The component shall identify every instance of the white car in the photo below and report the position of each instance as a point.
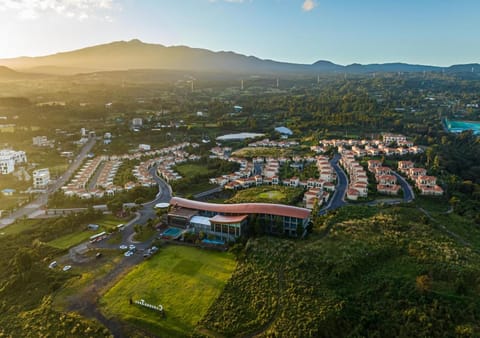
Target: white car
(132, 247)
(123, 247)
(128, 253)
(67, 267)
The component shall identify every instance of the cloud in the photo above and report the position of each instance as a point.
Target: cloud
(79, 9)
(308, 5)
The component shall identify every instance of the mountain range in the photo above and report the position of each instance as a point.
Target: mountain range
(135, 54)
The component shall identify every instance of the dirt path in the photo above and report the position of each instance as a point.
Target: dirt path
(452, 234)
(86, 302)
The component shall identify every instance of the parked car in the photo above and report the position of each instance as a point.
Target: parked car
(67, 267)
(123, 247)
(53, 265)
(128, 253)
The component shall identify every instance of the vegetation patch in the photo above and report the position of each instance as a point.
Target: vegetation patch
(268, 194)
(186, 292)
(250, 152)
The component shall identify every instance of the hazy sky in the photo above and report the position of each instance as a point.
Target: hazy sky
(439, 32)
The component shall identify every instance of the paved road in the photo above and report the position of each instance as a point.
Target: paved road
(42, 199)
(408, 194)
(147, 212)
(338, 199)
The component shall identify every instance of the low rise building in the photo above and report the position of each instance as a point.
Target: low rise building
(41, 178)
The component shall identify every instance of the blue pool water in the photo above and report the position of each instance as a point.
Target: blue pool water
(212, 241)
(172, 232)
(459, 126)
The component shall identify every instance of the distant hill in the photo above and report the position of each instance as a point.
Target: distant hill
(6, 72)
(135, 54)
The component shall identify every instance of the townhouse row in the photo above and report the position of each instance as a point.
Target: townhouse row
(358, 179)
(427, 185)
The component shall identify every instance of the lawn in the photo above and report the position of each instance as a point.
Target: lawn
(184, 280)
(268, 194)
(106, 222)
(19, 226)
(273, 195)
(191, 169)
(67, 241)
(260, 151)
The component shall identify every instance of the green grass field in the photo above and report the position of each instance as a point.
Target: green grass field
(260, 151)
(268, 194)
(65, 242)
(184, 280)
(189, 169)
(273, 195)
(19, 226)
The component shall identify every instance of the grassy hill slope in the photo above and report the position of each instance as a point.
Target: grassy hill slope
(377, 273)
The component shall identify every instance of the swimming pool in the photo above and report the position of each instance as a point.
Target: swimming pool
(459, 126)
(213, 241)
(172, 232)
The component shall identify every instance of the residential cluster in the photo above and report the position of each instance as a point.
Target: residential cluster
(358, 180)
(82, 185)
(426, 184)
(176, 156)
(390, 145)
(386, 181)
(265, 171)
(273, 144)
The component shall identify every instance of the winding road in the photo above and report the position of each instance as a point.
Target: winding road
(338, 199)
(147, 212)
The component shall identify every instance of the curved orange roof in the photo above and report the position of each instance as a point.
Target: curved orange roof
(243, 208)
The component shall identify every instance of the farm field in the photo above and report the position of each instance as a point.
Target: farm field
(184, 280)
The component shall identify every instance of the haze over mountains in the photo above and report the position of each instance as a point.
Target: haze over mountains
(135, 54)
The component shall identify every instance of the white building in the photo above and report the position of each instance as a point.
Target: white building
(41, 141)
(390, 138)
(9, 158)
(7, 165)
(137, 122)
(41, 178)
(144, 147)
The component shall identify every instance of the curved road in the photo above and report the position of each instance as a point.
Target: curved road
(147, 212)
(338, 199)
(408, 194)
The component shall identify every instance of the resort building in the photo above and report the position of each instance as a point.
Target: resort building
(230, 221)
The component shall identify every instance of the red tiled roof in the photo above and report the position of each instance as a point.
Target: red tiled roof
(227, 219)
(243, 208)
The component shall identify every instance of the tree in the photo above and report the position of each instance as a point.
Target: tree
(424, 283)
